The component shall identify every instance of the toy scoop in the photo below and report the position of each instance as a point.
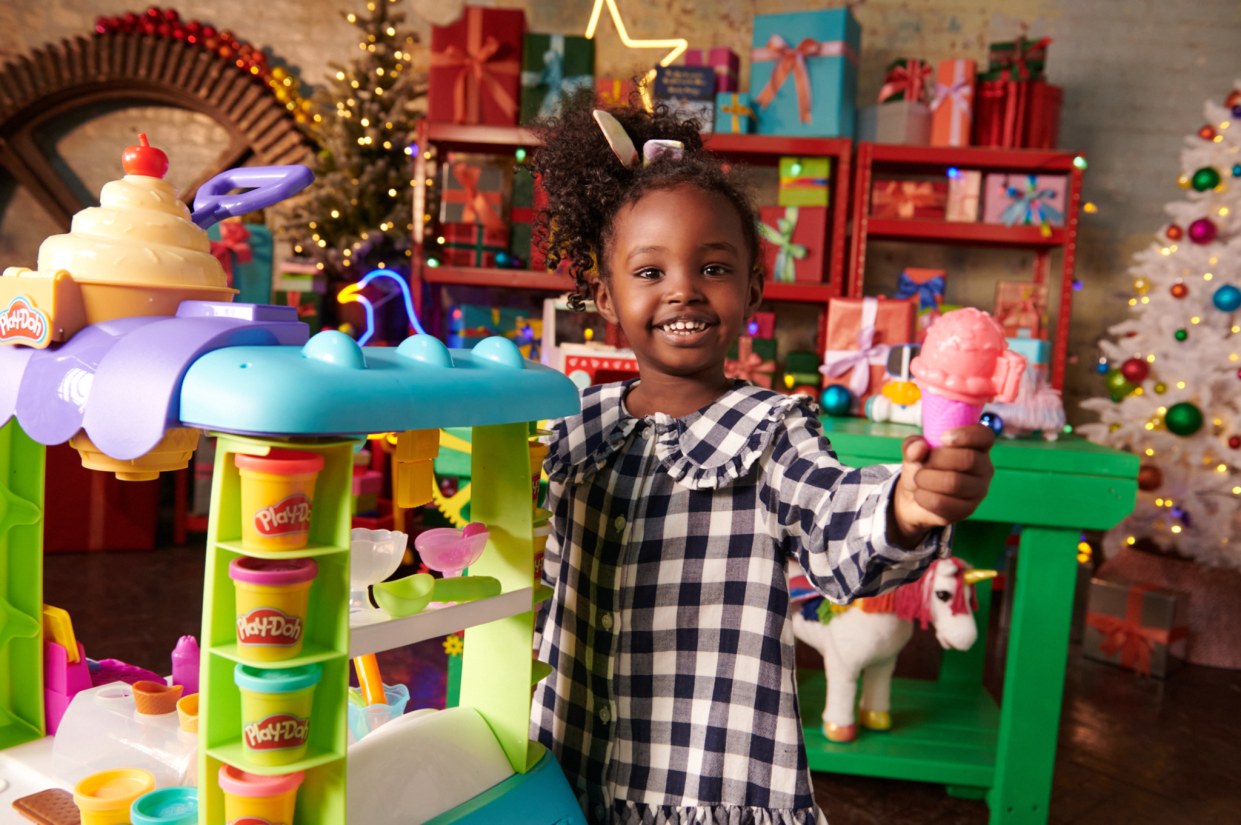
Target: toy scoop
(374, 556)
(965, 364)
(449, 550)
(410, 595)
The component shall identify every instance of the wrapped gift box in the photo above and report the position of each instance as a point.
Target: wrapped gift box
(723, 61)
(926, 288)
(469, 244)
(689, 92)
(803, 73)
(477, 189)
(309, 306)
(1024, 200)
(762, 325)
(795, 238)
(859, 333)
(1035, 350)
(1136, 626)
(527, 199)
(553, 67)
(765, 348)
(952, 104)
(1021, 308)
(752, 360)
(964, 196)
(908, 199)
(1014, 114)
(294, 276)
(244, 251)
(1020, 59)
(614, 92)
(475, 71)
(733, 113)
(904, 122)
(907, 79)
(803, 368)
(804, 182)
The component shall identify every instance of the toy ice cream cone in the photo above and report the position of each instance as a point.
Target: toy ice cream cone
(965, 363)
(155, 699)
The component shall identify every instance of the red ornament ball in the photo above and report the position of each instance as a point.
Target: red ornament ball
(1235, 442)
(209, 31)
(1175, 233)
(171, 15)
(130, 19)
(1135, 370)
(153, 12)
(144, 159)
(1149, 477)
(1207, 132)
(1179, 291)
(1234, 97)
(1202, 231)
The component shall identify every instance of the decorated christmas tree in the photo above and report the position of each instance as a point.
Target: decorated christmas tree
(1173, 372)
(356, 215)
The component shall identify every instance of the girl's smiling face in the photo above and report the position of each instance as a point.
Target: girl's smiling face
(681, 282)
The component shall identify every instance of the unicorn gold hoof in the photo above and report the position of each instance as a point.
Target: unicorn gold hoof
(839, 733)
(876, 720)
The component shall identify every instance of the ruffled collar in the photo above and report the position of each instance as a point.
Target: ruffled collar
(707, 449)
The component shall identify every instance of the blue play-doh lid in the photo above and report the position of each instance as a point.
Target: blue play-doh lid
(284, 680)
(170, 806)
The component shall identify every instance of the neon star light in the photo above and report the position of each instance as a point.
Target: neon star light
(678, 45)
(353, 294)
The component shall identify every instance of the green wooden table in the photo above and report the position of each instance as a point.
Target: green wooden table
(951, 730)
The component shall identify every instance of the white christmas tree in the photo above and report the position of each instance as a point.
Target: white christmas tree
(1173, 370)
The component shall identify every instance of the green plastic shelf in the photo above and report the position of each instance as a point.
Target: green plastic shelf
(234, 753)
(21, 587)
(311, 652)
(543, 594)
(309, 551)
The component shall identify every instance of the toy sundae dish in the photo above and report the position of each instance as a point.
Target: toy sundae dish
(965, 363)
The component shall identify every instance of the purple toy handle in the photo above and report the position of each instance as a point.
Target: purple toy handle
(267, 185)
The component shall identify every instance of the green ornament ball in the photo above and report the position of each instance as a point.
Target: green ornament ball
(1204, 179)
(1181, 334)
(1183, 419)
(1117, 386)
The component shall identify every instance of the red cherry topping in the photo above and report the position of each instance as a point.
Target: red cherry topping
(144, 160)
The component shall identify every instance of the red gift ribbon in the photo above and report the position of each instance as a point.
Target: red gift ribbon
(294, 299)
(749, 365)
(1135, 643)
(1020, 54)
(792, 61)
(1005, 311)
(899, 198)
(910, 79)
(478, 68)
(478, 206)
(233, 237)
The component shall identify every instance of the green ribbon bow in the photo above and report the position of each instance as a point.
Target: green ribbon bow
(788, 253)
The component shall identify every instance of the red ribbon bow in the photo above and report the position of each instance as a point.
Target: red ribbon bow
(749, 365)
(478, 68)
(478, 207)
(1015, 313)
(294, 299)
(1135, 643)
(1020, 54)
(910, 79)
(899, 198)
(233, 237)
(791, 60)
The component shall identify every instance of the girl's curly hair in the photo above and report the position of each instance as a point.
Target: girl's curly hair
(586, 185)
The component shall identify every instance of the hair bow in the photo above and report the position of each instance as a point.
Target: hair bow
(616, 136)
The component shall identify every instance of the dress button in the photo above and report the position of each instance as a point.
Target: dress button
(606, 621)
(620, 523)
(600, 811)
(605, 715)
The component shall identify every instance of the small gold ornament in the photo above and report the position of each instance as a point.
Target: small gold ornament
(1183, 181)
(1141, 285)
(1161, 388)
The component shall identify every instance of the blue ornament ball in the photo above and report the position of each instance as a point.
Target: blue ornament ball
(1236, 111)
(990, 419)
(1101, 367)
(501, 259)
(1236, 170)
(837, 400)
(1227, 298)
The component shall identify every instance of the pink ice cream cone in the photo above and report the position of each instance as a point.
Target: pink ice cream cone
(964, 364)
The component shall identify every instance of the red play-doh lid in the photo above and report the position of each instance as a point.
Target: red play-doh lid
(239, 783)
(272, 572)
(281, 462)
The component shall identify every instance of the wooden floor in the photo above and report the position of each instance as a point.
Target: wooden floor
(1132, 751)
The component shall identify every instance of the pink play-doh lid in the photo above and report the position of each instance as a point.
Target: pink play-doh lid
(239, 783)
(272, 572)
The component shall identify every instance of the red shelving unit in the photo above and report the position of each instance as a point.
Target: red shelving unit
(755, 150)
(892, 160)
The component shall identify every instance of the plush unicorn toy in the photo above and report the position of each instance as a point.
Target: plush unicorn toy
(864, 638)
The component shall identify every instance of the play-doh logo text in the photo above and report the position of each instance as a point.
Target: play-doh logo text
(291, 515)
(23, 323)
(278, 732)
(268, 627)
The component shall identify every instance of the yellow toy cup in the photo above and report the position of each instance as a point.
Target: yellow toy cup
(538, 452)
(275, 712)
(104, 798)
(277, 491)
(272, 600)
(252, 799)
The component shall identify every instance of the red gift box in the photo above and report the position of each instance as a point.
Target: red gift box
(749, 365)
(1021, 308)
(475, 72)
(469, 244)
(725, 62)
(860, 332)
(763, 325)
(613, 92)
(795, 239)
(909, 199)
(1014, 114)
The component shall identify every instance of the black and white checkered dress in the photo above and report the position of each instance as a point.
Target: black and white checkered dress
(673, 698)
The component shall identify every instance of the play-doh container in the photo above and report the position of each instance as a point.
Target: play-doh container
(104, 798)
(277, 493)
(541, 531)
(275, 712)
(272, 597)
(169, 806)
(538, 452)
(252, 799)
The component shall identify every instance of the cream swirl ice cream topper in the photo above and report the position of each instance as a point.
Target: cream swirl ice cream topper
(141, 234)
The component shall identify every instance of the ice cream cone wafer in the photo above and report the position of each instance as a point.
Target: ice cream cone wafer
(155, 699)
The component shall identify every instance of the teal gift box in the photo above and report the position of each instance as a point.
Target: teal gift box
(244, 250)
(553, 67)
(733, 113)
(1035, 350)
(803, 73)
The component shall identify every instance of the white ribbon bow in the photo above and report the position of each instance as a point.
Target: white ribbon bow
(836, 362)
(959, 93)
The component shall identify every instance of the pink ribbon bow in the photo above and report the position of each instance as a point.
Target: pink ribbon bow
(792, 61)
(749, 365)
(836, 362)
(233, 237)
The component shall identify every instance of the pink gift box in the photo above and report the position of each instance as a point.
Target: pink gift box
(762, 325)
(367, 481)
(723, 60)
(1045, 203)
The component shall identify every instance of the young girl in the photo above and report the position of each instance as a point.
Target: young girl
(679, 497)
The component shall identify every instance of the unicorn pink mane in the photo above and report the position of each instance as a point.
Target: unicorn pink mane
(912, 602)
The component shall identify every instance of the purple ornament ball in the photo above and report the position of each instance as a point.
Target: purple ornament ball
(1202, 231)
